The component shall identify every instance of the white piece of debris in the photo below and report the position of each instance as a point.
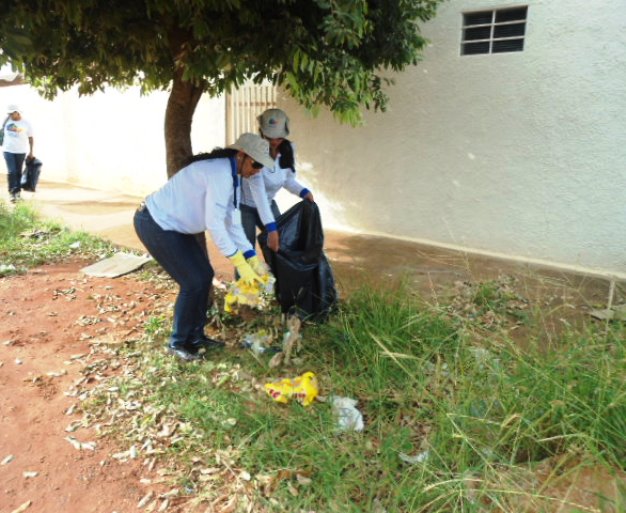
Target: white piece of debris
(348, 417)
(413, 460)
(7, 460)
(30, 473)
(119, 264)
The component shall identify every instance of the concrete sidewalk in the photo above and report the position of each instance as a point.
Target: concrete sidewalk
(356, 259)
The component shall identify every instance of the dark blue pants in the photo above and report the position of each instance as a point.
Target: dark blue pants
(250, 220)
(187, 263)
(15, 165)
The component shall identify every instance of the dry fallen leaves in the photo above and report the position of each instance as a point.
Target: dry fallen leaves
(90, 446)
(23, 507)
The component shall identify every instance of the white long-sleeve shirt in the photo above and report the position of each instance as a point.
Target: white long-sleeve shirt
(259, 190)
(202, 197)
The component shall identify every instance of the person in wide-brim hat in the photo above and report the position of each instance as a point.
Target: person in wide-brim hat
(203, 196)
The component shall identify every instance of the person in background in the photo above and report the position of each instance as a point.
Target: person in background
(17, 145)
(258, 208)
(204, 195)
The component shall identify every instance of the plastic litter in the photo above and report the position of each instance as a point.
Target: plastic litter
(349, 418)
(256, 295)
(413, 460)
(258, 342)
(303, 389)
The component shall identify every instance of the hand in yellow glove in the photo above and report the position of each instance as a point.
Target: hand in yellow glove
(246, 273)
(257, 266)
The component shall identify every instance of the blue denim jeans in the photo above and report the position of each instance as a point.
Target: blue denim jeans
(187, 263)
(15, 165)
(250, 220)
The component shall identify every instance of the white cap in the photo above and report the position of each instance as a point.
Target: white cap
(13, 108)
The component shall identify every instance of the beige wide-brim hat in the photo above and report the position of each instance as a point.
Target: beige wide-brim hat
(274, 124)
(256, 147)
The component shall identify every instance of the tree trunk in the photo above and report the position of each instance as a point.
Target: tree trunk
(178, 118)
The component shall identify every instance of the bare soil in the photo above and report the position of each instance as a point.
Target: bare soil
(47, 319)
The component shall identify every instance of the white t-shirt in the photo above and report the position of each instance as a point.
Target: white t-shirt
(201, 197)
(16, 134)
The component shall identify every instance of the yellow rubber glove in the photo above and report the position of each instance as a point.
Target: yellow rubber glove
(246, 273)
(257, 266)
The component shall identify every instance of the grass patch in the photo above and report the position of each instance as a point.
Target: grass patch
(27, 240)
(480, 412)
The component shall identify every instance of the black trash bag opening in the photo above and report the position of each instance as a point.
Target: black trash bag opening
(305, 284)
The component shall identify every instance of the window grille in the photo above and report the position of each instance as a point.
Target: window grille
(244, 104)
(496, 31)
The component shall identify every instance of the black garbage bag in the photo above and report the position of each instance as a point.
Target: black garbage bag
(304, 279)
(30, 178)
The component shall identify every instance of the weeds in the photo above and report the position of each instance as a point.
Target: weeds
(480, 413)
(27, 241)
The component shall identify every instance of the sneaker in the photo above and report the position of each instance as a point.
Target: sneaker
(206, 343)
(184, 353)
(14, 197)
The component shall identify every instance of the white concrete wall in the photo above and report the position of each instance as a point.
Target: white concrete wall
(519, 154)
(110, 141)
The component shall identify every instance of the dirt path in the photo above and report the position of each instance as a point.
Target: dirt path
(48, 318)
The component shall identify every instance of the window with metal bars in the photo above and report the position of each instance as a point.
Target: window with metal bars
(496, 31)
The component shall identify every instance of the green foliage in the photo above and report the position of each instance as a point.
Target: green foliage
(156, 327)
(324, 52)
(14, 221)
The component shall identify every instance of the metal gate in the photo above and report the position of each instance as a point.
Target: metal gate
(243, 105)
